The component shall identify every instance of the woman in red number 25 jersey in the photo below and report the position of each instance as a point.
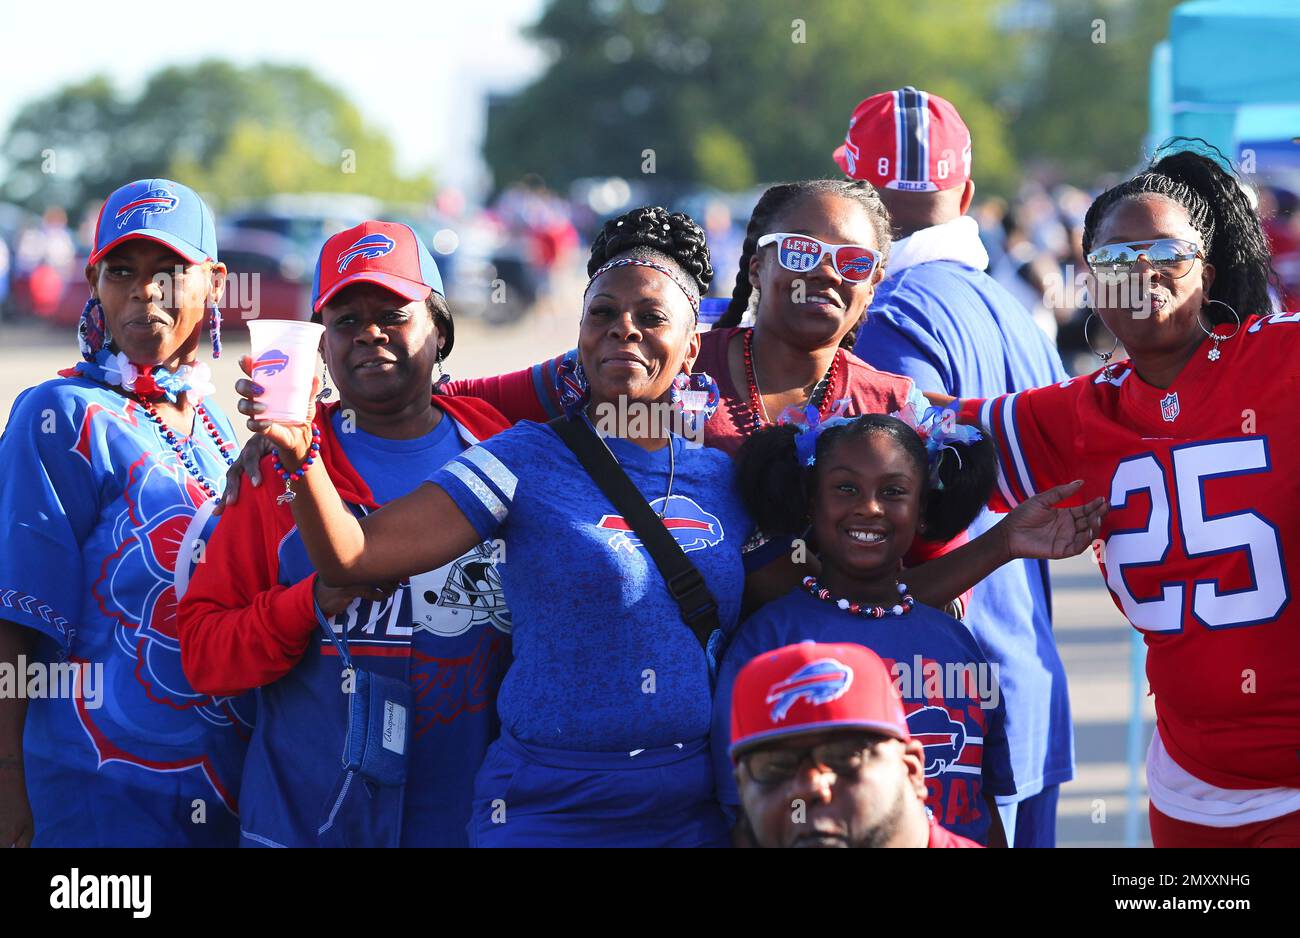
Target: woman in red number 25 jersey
(1195, 442)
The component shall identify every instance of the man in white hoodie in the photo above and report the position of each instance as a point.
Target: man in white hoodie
(941, 320)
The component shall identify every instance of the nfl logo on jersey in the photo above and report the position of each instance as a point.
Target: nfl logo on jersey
(1169, 407)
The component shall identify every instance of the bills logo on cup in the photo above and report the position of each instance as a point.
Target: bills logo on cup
(154, 202)
(369, 247)
(272, 362)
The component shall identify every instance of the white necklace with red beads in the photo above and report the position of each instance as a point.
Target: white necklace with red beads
(902, 608)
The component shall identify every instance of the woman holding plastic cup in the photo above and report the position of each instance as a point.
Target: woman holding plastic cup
(102, 471)
(249, 618)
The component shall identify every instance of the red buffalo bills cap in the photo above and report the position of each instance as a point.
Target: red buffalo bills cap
(160, 210)
(808, 688)
(384, 253)
(907, 140)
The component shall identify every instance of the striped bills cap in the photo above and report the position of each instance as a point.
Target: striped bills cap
(907, 140)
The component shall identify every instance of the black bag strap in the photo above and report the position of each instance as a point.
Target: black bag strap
(685, 582)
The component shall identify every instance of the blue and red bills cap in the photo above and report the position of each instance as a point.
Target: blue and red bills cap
(809, 688)
(160, 210)
(384, 253)
(907, 140)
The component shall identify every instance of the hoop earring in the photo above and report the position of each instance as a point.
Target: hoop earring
(1104, 356)
(325, 390)
(695, 396)
(1213, 354)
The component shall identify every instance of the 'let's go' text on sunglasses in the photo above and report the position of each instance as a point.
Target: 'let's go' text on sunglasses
(801, 253)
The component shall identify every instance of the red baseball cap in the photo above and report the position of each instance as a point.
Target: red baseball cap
(906, 140)
(384, 253)
(807, 688)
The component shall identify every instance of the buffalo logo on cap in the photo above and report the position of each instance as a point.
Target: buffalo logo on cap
(818, 682)
(157, 201)
(369, 247)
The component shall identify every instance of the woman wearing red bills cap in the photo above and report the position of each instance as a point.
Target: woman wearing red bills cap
(1194, 441)
(101, 472)
(255, 614)
(822, 726)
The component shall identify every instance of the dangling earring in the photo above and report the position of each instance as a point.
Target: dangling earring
(325, 390)
(693, 395)
(443, 377)
(216, 331)
(572, 386)
(92, 329)
(1104, 356)
(1213, 354)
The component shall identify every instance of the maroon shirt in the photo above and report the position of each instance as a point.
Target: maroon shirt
(869, 391)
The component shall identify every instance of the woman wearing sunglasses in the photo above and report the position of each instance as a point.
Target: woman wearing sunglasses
(808, 283)
(1194, 442)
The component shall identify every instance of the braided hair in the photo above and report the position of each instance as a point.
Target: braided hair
(654, 233)
(777, 199)
(1219, 210)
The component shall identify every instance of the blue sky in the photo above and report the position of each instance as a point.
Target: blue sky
(439, 58)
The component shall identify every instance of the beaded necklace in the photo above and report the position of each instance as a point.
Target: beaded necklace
(904, 606)
(821, 398)
(169, 436)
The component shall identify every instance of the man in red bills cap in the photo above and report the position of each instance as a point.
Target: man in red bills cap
(823, 756)
(939, 319)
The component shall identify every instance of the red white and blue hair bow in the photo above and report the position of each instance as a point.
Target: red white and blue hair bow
(811, 425)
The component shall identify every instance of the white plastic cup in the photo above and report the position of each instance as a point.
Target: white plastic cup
(284, 363)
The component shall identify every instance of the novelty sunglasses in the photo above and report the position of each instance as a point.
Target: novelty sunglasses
(1172, 256)
(801, 253)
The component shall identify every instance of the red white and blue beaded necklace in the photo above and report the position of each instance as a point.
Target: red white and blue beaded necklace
(901, 608)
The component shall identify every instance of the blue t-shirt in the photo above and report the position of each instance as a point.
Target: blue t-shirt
(955, 329)
(603, 661)
(959, 718)
(446, 748)
(95, 505)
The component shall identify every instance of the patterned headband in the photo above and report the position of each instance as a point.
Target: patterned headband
(642, 262)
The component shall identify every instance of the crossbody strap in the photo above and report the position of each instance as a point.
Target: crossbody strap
(685, 582)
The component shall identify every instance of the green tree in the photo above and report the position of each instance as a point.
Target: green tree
(1083, 99)
(738, 90)
(764, 83)
(231, 132)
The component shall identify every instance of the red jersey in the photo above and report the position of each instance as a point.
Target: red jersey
(942, 837)
(1203, 479)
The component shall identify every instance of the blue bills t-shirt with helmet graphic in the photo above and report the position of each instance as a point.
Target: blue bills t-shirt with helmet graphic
(966, 750)
(603, 661)
(96, 505)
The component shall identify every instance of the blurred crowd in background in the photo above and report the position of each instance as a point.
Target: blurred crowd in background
(500, 259)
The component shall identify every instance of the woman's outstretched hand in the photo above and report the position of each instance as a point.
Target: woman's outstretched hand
(1036, 529)
(291, 441)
